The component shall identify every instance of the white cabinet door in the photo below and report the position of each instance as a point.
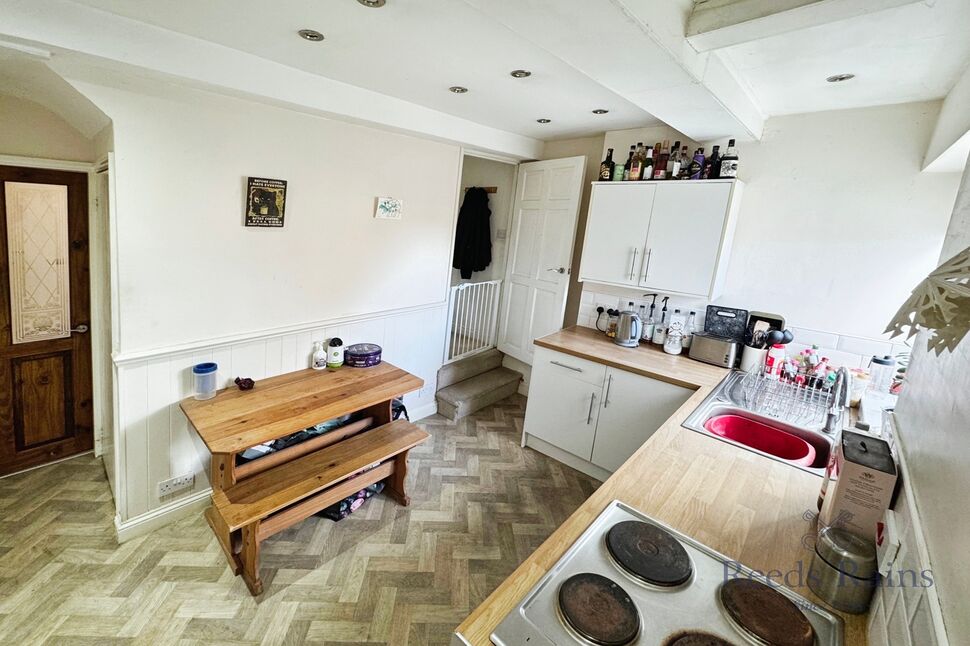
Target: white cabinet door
(619, 216)
(687, 225)
(632, 409)
(562, 410)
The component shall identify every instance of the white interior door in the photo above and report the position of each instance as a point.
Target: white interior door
(540, 252)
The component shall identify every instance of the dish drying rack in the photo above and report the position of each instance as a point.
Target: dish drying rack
(803, 403)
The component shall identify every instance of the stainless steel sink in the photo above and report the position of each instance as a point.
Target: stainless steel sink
(798, 411)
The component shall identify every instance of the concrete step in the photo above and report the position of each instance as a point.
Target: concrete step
(469, 367)
(470, 395)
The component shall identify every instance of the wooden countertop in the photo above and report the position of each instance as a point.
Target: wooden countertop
(235, 420)
(746, 506)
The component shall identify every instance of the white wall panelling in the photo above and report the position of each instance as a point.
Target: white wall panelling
(156, 440)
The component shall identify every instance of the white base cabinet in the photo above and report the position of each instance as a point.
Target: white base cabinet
(598, 414)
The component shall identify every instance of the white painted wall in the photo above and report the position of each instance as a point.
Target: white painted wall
(193, 284)
(948, 147)
(478, 171)
(29, 129)
(933, 411)
(837, 223)
(190, 272)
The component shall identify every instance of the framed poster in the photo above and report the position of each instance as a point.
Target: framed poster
(265, 202)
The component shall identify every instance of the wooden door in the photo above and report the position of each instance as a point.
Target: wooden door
(45, 367)
(619, 216)
(687, 226)
(631, 410)
(544, 218)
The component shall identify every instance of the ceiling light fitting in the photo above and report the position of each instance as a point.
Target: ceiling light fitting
(600, 111)
(520, 74)
(310, 34)
(373, 4)
(543, 120)
(457, 89)
(838, 78)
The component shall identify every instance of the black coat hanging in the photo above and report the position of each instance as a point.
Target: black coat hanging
(473, 235)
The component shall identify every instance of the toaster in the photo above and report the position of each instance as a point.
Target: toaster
(714, 350)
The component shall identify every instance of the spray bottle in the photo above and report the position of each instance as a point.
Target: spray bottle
(660, 331)
(650, 323)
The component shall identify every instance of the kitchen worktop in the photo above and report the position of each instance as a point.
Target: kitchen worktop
(746, 506)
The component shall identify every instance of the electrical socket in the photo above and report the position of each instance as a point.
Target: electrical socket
(170, 486)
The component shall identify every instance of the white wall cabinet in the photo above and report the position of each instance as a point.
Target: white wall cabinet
(600, 415)
(615, 232)
(672, 237)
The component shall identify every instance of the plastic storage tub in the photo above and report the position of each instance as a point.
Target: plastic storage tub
(205, 380)
(762, 437)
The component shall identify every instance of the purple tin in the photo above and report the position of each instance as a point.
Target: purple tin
(362, 355)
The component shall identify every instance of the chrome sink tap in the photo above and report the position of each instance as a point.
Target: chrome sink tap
(840, 397)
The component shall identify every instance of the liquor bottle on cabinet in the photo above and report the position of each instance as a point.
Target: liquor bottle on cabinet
(712, 167)
(673, 162)
(606, 167)
(647, 172)
(629, 163)
(660, 161)
(729, 162)
(697, 164)
(636, 167)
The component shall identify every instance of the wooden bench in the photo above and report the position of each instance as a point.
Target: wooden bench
(255, 500)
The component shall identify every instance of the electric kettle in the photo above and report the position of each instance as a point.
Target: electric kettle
(628, 329)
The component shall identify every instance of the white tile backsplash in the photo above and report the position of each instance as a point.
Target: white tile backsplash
(864, 347)
(842, 350)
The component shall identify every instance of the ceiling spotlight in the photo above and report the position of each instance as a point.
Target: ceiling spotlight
(838, 78)
(311, 35)
(543, 120)
(520, 74)
(457, 89)
(600, 111)
(373, 4)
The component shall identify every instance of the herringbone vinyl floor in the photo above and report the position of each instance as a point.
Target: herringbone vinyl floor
(386, 575)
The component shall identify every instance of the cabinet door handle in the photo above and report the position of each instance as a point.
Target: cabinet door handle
(633, 265)
(589, 415)
(606, 397)
(562, 365)
(646, 263)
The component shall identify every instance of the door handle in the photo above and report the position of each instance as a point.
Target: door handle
(606, 397)
(633, 264)
(589, 415)
(646, 268)
(81, 329)
(562, 365)
(558, 270)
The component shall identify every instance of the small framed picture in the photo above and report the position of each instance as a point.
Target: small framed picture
(389, 208)
(265, 202)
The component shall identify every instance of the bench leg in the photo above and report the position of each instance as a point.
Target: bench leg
(221, 530)
(395, 484)
(250, 558)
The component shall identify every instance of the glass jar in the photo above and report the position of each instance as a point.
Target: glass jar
(881, 373)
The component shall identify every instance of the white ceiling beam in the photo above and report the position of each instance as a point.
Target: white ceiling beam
(950, 142)
(652, 66)
(99, 47)
(716, 24)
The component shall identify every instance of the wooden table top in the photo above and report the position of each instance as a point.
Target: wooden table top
(235, 420)
(746, 506)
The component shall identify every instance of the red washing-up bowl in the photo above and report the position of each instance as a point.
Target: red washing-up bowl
(762, 437)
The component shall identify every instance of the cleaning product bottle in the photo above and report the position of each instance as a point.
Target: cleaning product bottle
(660, 331)
(335, 353)
(319, 360)
(674, 341)
(650, 323)
(689, 330)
